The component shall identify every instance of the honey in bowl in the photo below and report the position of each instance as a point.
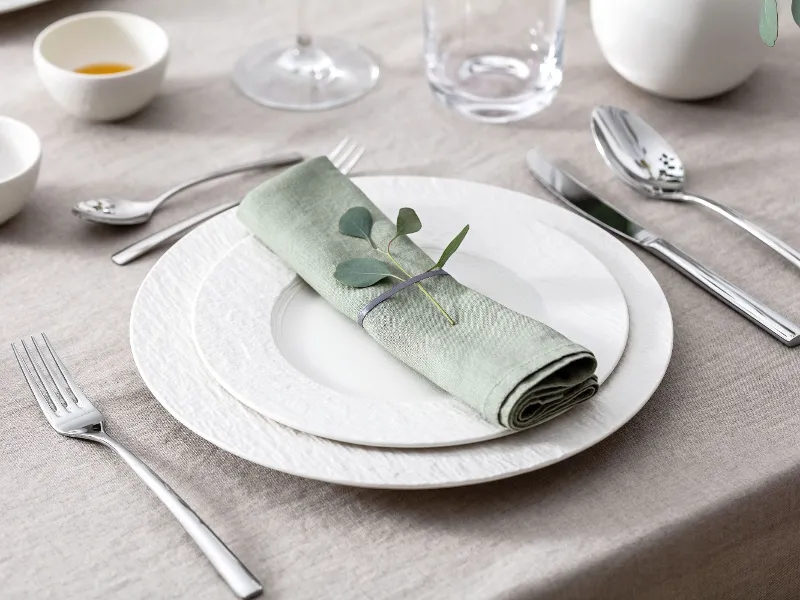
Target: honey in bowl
(103, 68)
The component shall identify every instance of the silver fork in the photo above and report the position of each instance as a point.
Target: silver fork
(344, 157)
(71, 414)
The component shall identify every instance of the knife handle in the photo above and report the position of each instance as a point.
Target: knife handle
(763, 316)
(173, 232)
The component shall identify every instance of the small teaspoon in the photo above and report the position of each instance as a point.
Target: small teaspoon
(131, 212)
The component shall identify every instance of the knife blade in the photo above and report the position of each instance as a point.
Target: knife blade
(573, 193)
(580, 198)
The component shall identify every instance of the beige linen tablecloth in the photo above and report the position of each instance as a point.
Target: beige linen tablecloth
(695, 498)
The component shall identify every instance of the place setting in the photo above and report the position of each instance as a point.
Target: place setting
(385, 331)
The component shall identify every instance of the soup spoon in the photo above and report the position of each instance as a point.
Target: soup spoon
(132, 212)
(644, 160)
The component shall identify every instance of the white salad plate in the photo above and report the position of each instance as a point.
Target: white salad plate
(165, 353)
(282, 350)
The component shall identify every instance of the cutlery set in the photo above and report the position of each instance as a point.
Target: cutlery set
(638, 155)
(642, 159)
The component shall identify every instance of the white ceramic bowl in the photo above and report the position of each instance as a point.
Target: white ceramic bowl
(102, 37)
(681, 49)
(20, 156)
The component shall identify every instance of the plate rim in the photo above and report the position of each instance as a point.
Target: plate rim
(618, 249)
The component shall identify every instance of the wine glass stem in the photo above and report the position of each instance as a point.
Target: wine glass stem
(306, 59)
(303, 37)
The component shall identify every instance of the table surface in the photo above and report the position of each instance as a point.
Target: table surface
(695, 498)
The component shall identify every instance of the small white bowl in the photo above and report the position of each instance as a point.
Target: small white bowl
(102, 37)
(20, 156)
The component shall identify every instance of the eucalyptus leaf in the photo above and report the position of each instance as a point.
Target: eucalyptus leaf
(796, 11)
(362, 272)
(408, 222)
(451, 248)
(768, 21)
(357, 222)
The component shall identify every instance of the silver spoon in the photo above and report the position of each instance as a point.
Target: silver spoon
(131, 212)
(644, 160)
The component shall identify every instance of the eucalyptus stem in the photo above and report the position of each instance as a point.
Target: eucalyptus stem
(419, 285)
(364, 272)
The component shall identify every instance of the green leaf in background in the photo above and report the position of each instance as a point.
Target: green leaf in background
(451, 248)
(768, 21)
(357, 222)
(408, 222)
(362, 272)
(796, 11)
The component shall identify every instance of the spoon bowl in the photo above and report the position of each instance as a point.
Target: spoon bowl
(114, 212)
(637, 153)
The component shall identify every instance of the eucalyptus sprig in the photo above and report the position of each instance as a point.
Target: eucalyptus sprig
(768, 20)
(365, 272)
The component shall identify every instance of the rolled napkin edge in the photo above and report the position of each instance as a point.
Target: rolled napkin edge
(527, 376)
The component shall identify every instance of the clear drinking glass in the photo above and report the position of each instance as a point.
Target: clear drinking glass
(494, 60)
(305, 73)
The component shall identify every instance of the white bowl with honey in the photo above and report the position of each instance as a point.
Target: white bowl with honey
(104, 65)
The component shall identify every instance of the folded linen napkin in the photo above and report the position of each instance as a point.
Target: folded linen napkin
(513, 370)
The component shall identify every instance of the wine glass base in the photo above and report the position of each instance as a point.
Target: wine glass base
(280, 74)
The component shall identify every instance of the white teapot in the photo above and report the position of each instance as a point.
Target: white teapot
(681, 49)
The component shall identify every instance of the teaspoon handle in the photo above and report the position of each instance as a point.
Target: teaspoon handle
(279, 160)
(781, 247)
(760, 314)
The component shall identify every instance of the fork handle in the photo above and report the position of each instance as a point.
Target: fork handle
(174, 231)
(778, 245)
(230, 568)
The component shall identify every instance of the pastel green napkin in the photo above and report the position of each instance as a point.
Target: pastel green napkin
(513, 370)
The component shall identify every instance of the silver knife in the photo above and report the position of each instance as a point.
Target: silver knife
(582, 200)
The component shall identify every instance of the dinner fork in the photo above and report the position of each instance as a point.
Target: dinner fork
(344, 157)
(70, 413)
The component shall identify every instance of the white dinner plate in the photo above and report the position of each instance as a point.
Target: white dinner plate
(7, 6)
(165, 354)
(282, 350)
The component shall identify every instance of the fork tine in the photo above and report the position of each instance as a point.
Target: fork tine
(50, 410)
(54, 394)
(343, 154)
(77, 394)
(355, 156)
(334, 155)
(35, 390)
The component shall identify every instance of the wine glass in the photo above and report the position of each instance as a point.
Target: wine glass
(305, 73)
